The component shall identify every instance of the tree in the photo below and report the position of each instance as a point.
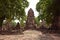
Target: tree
(11, 9)
(49, 10)
(44, 13)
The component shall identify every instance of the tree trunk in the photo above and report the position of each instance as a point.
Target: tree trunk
(1, 21)
(56, 22)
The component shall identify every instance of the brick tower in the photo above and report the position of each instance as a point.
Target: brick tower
(30, 22)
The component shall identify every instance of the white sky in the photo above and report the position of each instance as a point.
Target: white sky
(32, 4)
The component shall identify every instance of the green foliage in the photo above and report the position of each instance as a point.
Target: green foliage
(37, 21)
(12, 8)
(45, 11)
(23, 21)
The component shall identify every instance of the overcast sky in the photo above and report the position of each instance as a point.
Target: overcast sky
(32, 4)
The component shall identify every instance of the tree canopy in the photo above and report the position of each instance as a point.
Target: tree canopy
(11, 9)
(45, 9)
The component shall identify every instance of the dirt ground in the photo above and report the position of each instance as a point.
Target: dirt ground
(31, 35)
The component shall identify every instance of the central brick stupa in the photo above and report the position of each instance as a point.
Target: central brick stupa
(30, 22)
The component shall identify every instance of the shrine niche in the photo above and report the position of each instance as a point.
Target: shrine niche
(30, 22)
(17, 26)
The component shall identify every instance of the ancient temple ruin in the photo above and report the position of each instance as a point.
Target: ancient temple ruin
(30, 23)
